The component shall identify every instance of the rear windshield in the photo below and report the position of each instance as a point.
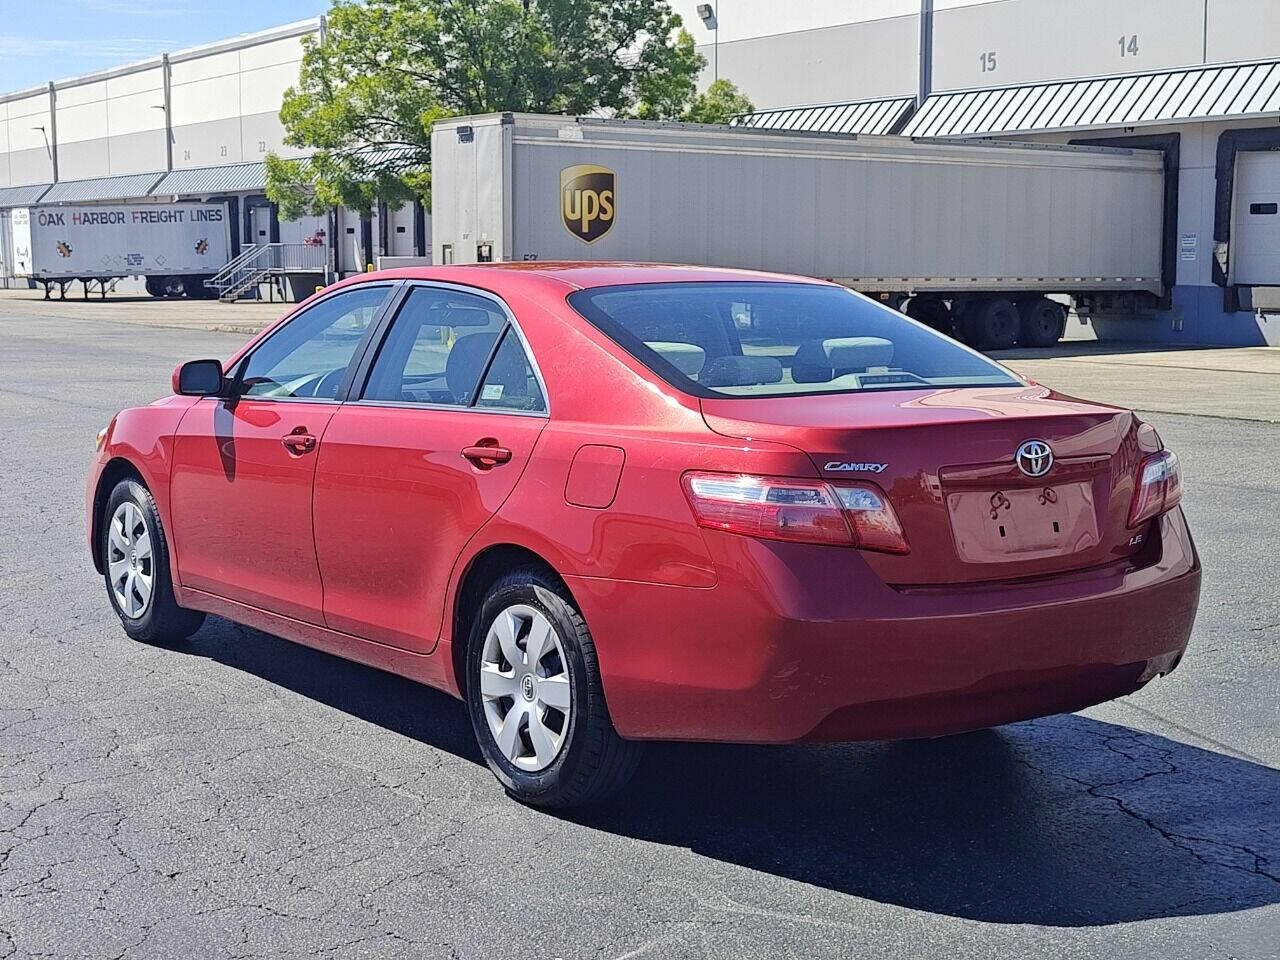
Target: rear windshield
(779, 339)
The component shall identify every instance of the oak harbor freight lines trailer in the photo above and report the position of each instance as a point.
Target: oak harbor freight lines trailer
(175, 246)
(969, 237)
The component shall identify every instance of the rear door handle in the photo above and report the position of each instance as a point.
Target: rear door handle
(299, 442)
(486, 454)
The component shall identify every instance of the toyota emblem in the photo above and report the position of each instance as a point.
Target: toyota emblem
(1034, 458)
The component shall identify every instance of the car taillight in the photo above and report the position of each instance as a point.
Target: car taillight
(1159, 487)
(801, 511)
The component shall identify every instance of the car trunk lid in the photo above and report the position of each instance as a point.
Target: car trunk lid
(946, 459)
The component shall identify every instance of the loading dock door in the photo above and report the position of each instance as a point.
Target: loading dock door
(259, 225)
(400, 231)
(1255, 235)
(351, 254)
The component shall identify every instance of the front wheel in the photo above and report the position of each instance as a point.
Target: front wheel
(135, 562)
(536, 699)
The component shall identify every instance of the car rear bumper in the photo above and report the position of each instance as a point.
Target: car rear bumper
(803, 643)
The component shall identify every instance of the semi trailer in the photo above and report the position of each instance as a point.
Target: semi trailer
(984, 240)
(175, 247)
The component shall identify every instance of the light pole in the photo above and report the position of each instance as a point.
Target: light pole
(48, 148)
(710, 16)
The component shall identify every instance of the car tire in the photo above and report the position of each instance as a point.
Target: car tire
(995, 324)
(135, 565)
(586, 761)
(1041, 322)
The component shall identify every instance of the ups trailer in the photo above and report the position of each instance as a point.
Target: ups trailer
(973, 238)
(175, 247)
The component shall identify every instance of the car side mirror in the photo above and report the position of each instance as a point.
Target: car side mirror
(198, 378)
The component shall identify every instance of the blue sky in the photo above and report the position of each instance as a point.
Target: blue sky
(42, 40)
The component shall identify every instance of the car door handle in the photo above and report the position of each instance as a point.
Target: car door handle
(299, 442)
(487, 454)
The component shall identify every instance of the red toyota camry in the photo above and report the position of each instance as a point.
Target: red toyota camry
(611, 503)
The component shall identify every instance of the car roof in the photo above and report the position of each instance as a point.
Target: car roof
(578, 274)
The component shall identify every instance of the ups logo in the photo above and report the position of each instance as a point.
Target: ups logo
(587, 196)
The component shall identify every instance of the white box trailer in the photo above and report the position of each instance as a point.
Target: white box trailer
(175, 246)
(971, 237)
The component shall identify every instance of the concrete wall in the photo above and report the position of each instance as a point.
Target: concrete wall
(226, 103)
(223, 108)
(111, 126)
(817, 51)
(24, 155)
(828, 51)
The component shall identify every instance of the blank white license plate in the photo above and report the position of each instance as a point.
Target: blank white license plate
(994, 525)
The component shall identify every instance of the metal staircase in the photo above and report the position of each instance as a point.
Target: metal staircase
(265, 262)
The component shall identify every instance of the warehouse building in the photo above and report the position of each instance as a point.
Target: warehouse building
(1196, 79)
(193, 124)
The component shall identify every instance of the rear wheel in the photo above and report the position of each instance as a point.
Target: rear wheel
(135, 562)
(155, 286)
(536, 700)
(1041, 322)
(994, 324)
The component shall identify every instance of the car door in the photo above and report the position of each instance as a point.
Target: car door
(244, 463)
(446, 417)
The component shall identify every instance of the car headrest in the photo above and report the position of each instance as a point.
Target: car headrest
(465, 362)
(737, 371)
(858, 353)
(817, 361)
(688, 358)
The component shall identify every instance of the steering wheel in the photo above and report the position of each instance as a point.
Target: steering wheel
(327, 386)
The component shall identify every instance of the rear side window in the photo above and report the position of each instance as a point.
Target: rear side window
(779, 339)
(509, 383)
(452, 348)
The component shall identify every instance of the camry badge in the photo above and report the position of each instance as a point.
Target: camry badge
(1034, 458)
(839, 465)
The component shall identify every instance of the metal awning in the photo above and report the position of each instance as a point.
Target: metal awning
(863, 116)
(202, 181)
(126, 187)
(1204, 93)
(21, 196)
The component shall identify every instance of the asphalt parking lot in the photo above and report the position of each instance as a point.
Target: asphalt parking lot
(240, 796)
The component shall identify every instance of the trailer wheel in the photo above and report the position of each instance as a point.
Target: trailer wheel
(155, 286)
(930, 311)
(195, 289)
(173, 287)
(994, 324)
(1041, 322)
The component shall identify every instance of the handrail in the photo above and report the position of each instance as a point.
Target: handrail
(230, 266)
(261, 261)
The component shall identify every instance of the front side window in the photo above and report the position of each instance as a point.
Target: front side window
(308, 356)
(452, 348)
(779, 339)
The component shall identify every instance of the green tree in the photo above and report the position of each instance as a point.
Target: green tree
(719, 103)
(385, 70)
